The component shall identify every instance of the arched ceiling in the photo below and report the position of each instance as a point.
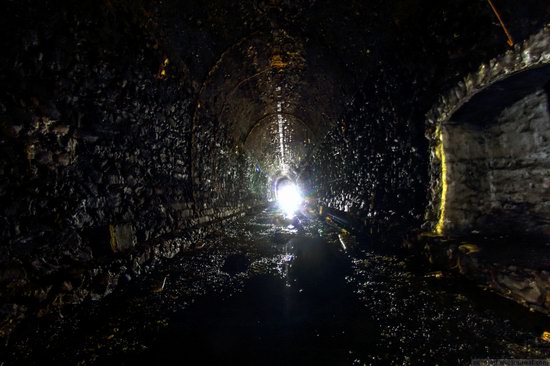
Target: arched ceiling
(277, 94)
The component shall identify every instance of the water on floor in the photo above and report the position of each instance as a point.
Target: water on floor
(285, 292)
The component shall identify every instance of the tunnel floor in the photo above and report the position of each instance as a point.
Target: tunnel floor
(268, 291)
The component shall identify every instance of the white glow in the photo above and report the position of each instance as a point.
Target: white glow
(289, 198)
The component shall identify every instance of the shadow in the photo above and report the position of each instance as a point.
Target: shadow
(547, 91)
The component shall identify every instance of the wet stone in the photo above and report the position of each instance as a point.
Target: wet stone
(308, 299)
(123, 237)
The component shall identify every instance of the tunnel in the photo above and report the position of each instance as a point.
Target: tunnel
(276, 182)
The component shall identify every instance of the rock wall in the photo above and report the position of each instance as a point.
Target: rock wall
(222, 170)
(370, 165)
(498, 174)
(95, 168)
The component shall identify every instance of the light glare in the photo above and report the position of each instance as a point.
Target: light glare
(289, 198)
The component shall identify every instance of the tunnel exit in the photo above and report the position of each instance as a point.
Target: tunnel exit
(289, 197)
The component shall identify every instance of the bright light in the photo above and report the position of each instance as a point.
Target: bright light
(289, 198)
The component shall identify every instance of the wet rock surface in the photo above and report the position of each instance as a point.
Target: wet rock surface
(95, 133)
(261, 291)
(370, 165)
(508, 266)
(497, 173)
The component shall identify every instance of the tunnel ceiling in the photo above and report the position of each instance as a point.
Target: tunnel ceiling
(276, 93)
(304, 61)
(300, 62)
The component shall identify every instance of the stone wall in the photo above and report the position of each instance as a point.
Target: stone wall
(498, 174)
(519, 166)
(370, 164)
(95, 168)
(467, 179)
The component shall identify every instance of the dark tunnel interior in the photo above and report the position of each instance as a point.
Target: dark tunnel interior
(306, 182)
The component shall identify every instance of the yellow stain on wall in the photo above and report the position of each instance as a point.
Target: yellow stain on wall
(112, 238)
(440, 154)
(436, 274)
(277, 62)
(162, 73)
(468, 248)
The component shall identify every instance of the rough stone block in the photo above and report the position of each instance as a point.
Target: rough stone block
(123, 237)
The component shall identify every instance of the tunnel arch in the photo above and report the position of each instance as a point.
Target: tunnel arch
(464, 129)
(282, 78)
(284, 179)
(262, 120)
(273, 71)
(259, 139)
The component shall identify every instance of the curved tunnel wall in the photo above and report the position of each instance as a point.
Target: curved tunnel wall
(96, 176)
(274, 107)
(369, 165)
